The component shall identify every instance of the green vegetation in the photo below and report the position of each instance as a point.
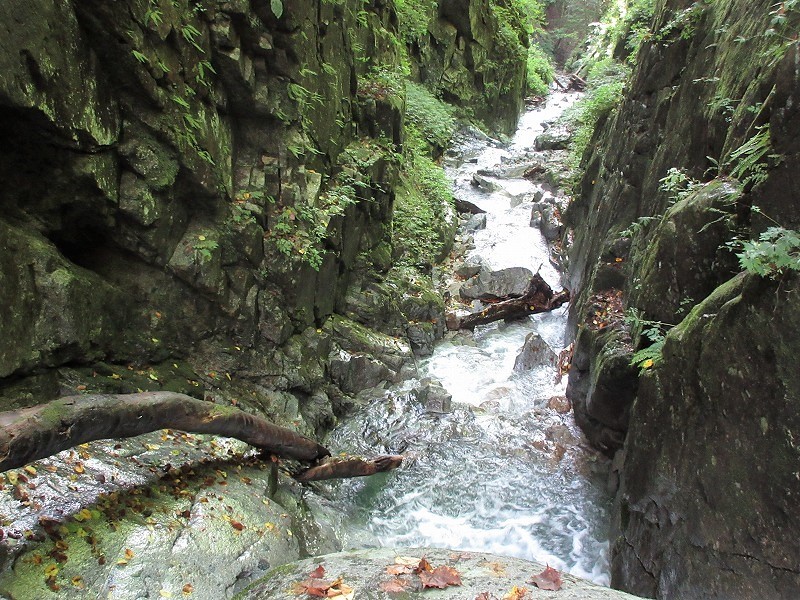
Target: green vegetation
(606, 80)
(540, 71)
(430, 117)
(775, 253)
(653, 332)
(423, 207)
(414, 16)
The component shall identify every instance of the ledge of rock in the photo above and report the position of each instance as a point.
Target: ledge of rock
(365, 570)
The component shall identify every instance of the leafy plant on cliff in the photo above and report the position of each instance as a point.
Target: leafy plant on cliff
(654, 332)
(423, 207)
(414, 17)
(431, 117)
(540, 71)
(775, 253)
(606, 80)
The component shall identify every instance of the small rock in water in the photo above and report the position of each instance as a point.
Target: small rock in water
(535, 353)
(467, 270)
(433, 395)
(560, 404)
(485, 184)
(476, 222)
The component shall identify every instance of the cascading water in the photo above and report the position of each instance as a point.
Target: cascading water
(505, 470)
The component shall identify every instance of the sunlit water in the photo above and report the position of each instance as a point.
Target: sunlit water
(502, 472)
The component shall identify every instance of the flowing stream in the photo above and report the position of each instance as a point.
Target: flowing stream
(506, 470)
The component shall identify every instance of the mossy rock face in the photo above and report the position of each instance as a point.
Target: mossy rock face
(475, 60)
(687, 257)
(698, 504)
(702, 508)
(53, 310)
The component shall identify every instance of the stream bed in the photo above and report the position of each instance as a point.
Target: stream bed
(503, 469)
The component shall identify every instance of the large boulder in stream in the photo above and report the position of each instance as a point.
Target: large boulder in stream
(555, 138)
(364, 571)
(492, 285)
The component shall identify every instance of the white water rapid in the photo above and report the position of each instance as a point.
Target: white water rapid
(506, 471)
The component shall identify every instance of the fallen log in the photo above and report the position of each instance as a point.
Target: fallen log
(32, 433)
(538, 297)
(353, 467)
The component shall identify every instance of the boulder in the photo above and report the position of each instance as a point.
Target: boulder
(555, 138)
(434, 396)
(481, 575)
(492, 285)
(465, 206)
(485, 184)
(476, 222)
(535, 352)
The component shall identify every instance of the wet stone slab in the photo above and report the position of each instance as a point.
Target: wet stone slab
(167, 514)
(364, 572)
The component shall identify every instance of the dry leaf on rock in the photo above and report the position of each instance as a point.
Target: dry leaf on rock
(440, 577)
(399, 569)
(516, 593)
(549, 579)
(394, 585)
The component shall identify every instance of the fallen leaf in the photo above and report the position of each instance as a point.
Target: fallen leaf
(483, 596)
(78, 468)
(406, 560)
(516, 593)
(77, 581)
(440, 577)
(423, 566)
(51, 570)
(497, 569)
(394, 585)
(317, 573)
(30, 470)
(399, 569)
(549, 579)
(237, 525)
(187, 589)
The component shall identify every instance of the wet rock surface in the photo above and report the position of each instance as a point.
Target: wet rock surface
(491, 285)
(150, 516)
(365, 572)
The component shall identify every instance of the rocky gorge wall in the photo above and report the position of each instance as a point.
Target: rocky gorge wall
(200, 182)
(703, 435)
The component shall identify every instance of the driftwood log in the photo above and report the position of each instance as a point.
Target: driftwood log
(32, 433)
(538, 297)
(353, 467)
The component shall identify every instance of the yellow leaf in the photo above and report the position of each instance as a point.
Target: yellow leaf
(648, 363)
(202, 238)
(165, 594)
(51, 570)
(84, 515)
(13, 477)
(116, 376)
(129, 553)
(77, 581)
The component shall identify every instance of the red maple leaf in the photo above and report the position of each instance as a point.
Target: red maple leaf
(549, 579)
